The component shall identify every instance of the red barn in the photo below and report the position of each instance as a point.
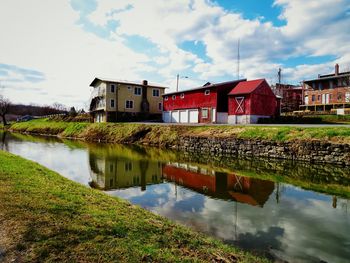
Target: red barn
(251, 100)
(206, 104)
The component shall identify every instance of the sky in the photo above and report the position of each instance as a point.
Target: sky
(50, 51)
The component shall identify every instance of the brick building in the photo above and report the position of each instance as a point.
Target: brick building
(291, 96)
(327, 92)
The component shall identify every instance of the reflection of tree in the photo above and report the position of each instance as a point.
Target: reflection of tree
(3, 145)
(263, 242)
(143, 168)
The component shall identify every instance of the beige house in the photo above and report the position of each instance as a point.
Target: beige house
(114, 100)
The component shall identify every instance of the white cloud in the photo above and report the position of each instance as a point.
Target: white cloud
(46, 37)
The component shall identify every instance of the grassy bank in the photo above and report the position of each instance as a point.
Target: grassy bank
(45, 217)
(168, 134)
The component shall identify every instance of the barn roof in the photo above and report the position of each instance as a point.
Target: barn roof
(207, 85)
(246, 87)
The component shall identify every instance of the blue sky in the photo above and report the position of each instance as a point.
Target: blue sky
(53, 51)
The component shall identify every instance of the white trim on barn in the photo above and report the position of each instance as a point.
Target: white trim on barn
(222, 117)
(181, 116)
(245, 119)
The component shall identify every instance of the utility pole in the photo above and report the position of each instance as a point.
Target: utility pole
(177, 82)
(279, 76)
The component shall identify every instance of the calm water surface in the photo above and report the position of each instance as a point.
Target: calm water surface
(242, 202)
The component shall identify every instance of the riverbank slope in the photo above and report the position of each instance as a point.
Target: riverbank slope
(45, 218)
(314, 144)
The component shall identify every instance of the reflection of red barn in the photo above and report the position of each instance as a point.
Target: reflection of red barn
(251, 100)
(222, 185)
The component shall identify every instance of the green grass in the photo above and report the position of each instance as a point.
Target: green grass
(45, 217)
(167, 135)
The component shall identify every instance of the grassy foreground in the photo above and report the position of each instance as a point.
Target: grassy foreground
(45, 217)
(169, 134)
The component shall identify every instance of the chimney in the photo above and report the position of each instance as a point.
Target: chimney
(336, 69)
(145, 82)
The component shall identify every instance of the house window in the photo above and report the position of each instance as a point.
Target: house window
(331, 84)
(313, 98)
(339, 96)
(112, 103)
(347, 97)
(128, 166)
(112, 88)
(314, 85)
(137, 91)
(174, 97)
(318, 97)
(160, 106)
(182, 95)
(204, 113)
(320, 87)
(207, 92)
(155, 92)
(166, 98)
(129, 104)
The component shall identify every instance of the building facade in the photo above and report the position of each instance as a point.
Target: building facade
(327, 92)
(291, 96)
(206, 104)
(250, 101)
(113, 100)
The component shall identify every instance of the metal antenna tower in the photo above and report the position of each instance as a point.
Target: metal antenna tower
(238, 58)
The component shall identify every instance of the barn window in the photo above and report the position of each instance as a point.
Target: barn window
(240, 104)
(166, 98)
(207, 92)
(174, 97)
(204, 113)
(182, 95)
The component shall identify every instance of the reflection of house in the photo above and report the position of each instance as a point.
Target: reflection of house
(232, 102)
(113, 100)
(220, 185)
(327, 91)
(116, 173)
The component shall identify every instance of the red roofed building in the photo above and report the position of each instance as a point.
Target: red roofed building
(236, 102)
(206, 104)
(250, 101)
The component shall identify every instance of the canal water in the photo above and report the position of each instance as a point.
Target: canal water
(293, 212)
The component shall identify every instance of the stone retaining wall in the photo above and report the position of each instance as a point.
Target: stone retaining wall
(311, 151)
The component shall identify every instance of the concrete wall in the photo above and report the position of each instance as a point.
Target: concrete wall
(312, 151)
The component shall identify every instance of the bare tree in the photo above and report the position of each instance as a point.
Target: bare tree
(59, 106)
(4, 108)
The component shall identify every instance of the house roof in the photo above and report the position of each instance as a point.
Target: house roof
(93, 83)
(329, 77)
(246, 87)
(207, 85)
